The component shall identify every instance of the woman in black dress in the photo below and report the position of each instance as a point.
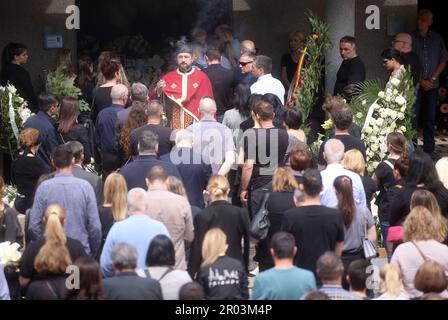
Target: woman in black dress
(26, 169)
(14, 56)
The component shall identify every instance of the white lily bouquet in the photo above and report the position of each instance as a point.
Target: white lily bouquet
(14, 113)
(380, 112)
(10, 254)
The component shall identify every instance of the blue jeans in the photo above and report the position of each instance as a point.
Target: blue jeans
(425, 107)
(384, 231)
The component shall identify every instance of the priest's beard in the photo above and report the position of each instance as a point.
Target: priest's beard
(185, 68)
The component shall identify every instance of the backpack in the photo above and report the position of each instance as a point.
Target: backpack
(387, 198)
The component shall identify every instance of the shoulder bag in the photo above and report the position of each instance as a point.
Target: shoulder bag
(260, 224)
(370, 248)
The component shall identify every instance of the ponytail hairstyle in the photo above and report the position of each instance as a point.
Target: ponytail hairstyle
(397, 143)
(218, 187)
(346, 203)
(53, 257)
(213, 246)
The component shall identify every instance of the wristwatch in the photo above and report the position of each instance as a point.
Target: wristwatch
(433, 79)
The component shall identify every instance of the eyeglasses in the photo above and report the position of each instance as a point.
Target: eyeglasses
(396, 41)
(243, 64)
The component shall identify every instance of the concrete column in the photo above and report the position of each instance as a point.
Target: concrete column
(340, 16)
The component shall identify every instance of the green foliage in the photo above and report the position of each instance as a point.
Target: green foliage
(63, 85)
(319, 43)
(365, 93)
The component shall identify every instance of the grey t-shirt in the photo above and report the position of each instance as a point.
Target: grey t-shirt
(354, 234)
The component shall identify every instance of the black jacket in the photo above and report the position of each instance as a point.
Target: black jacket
(129, 286)
(232, 220)
(224, 279)
(21, 80)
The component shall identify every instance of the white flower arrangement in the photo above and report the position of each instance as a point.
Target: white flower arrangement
(9, 253)
(390, 111)
(14, 113)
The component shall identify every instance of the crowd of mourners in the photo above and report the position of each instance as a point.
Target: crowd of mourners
(142, 209)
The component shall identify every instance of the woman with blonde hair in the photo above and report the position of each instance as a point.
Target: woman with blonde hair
(46, 260)
(115, 206)
(279, 201)
(215, 263)
(427, 199)
(390, 283)
(232, 220)
(175, 185)
(423, 236)
(290, 60)
(354, 161)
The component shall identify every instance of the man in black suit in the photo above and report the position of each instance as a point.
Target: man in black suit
(79, 172)
(126, 284)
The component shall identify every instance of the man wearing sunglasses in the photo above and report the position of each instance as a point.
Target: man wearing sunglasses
(246, 64)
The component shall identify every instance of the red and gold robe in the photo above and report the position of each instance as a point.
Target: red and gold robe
(186, 90)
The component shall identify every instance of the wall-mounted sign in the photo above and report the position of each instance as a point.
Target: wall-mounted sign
(54, 41)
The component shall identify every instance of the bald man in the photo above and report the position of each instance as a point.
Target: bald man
(403, 43)
(248, 46)
(213, 140)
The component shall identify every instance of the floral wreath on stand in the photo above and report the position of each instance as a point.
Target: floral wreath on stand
(390, 111)
(14, 113)
(305, 85)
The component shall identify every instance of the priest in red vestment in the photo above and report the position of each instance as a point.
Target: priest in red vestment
(184, 88)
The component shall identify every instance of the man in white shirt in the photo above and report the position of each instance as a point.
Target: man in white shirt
(333, 154)
(262, 69)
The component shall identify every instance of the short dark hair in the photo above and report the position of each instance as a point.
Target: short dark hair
(348, 39)
(76, 148)
(391, 53)
(62, 156)
(342, 117)
(160, 252)
(293, 118)
(213, 54)
(329, 266)
(357, 273)
(11, 50)
(300, 157)
(148, 141)
(157, 173)
(46, 101)
(264, 62)
(191, 291)
(264, 110)
(312, 182)
(283, 244)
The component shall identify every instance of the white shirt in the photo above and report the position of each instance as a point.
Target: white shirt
(268, 84)
(328, 195)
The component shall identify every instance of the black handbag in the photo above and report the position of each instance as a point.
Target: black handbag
(260, 224)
